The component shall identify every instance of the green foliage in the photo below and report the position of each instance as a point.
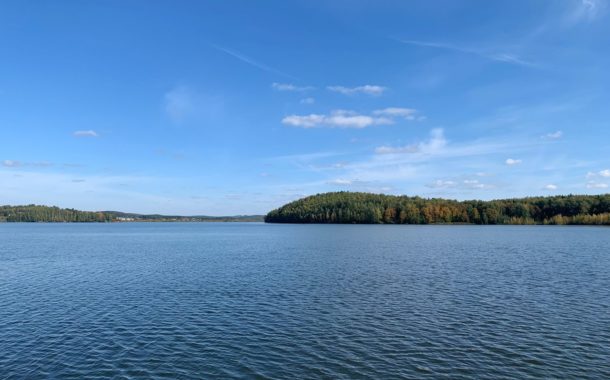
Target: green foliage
(348, 207)
(34, 213)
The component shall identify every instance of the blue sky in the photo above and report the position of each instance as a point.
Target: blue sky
(236, 107)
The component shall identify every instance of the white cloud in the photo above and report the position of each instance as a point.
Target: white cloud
(511, 162)
(366, 89)
(340, 182)
(442, 184)
(602, 173)
(308, 101)
(596, 185)
(475, 184)
(336, 119)
(467, 184)
(290, 87)
(434, 145)
(18, 164)
(350, 119)
(553, 136)
(11, 163)
(87, 133)
(305, 121)
(550, 187)
(407, 113)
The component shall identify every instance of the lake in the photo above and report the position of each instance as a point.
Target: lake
(233, 300)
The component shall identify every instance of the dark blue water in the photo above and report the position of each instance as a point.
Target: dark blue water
(191, 301)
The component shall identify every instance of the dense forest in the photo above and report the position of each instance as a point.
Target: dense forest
(351, 207)
(34, 213)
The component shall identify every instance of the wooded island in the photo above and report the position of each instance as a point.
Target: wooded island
(366, 208)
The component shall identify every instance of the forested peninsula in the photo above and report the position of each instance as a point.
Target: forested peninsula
(35, 213)
(366, 208)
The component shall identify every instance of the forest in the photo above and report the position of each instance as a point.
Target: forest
(36, 213)
(367, 208)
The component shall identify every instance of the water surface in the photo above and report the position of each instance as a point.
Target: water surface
(207, 300)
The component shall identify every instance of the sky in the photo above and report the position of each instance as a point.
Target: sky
(237, 107)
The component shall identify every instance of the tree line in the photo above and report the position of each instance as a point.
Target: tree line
(366, 208)
(36, 213)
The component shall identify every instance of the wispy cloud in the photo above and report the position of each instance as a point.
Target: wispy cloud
(406, 113)
(173, 155)
(351, 119)
(553, 136)
(513, 162)
(550, 187)
(336, 119)
(492, 56)
(467, 184)
(436, 143)
(290, 87)
(18, 164)
(184, 103)
(596, 185)
(367, 89)
(179, 103)
(442, 184)
(11, 163)
(422, 167)
(600, 174)
(586, 10)
(252, 62)
(340, 182)
(308, 100)
(87, 133)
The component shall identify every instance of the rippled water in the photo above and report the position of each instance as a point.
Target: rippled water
(193, 301)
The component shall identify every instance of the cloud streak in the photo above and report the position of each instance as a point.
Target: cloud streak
(19, 164)
(252, 62)
(497, 57)
(406, 113)
(367, 89)
(466, 184)
(290, 87)
(87, 133)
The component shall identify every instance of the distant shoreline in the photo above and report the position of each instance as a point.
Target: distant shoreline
(52, 214)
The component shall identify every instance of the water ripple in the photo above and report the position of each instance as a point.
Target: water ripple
(191, 301)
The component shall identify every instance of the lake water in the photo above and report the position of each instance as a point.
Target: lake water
(191, 301)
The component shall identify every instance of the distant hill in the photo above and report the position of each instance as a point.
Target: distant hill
(352, 207)
(36, 213)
